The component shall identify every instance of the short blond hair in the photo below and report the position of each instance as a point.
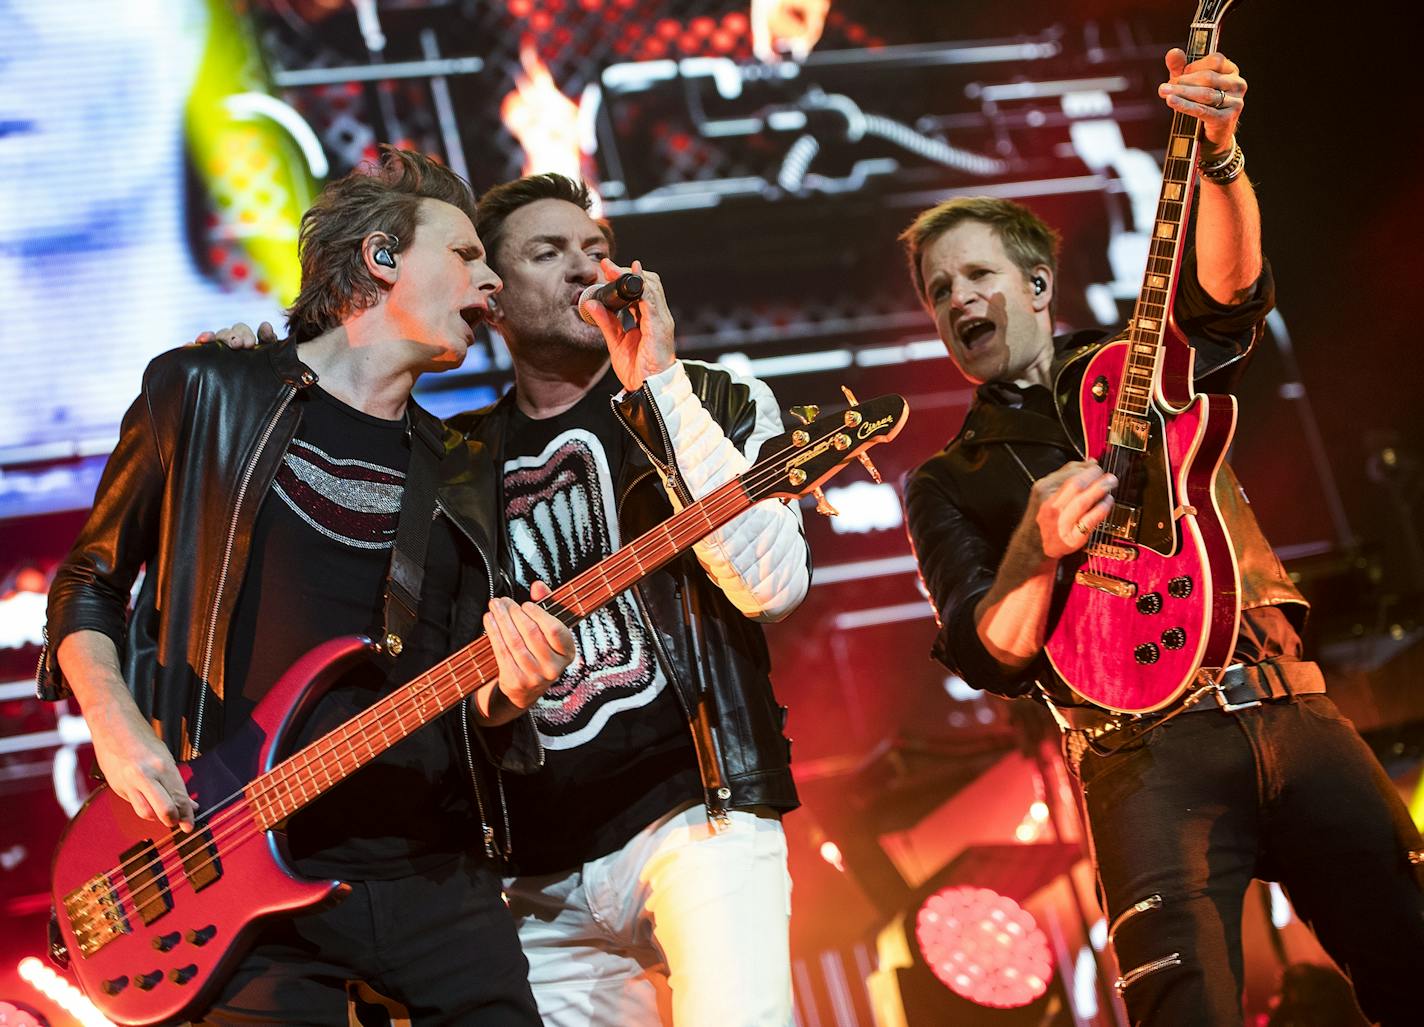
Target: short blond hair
(1029, 242)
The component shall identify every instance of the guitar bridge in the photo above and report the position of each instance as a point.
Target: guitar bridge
(1106, 583)
(96, 915)
(1112, 551)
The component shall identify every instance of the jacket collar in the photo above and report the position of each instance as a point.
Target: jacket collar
(288, 367)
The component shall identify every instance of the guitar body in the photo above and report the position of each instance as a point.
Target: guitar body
(152, 930)
(1155, 596)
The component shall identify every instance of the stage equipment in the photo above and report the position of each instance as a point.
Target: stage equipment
(967, 951)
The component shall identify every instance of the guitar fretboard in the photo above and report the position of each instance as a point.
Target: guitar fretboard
(1145, 332)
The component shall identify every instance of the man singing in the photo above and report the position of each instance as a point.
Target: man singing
(1184, 810)
(262, 492)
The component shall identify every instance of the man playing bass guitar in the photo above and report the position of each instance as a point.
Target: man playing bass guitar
(1189, 798)
(264, 494)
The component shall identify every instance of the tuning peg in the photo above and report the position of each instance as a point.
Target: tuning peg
(805, 414)
(822, 506)
(850, 396)
(874, 474)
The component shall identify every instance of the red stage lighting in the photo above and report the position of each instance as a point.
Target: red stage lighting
(984, 947)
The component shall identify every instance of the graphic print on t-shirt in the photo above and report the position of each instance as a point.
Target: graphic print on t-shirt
(561, 517)
(351, 501)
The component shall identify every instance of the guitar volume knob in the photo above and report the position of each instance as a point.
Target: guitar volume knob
(1147, 653)
(1149, 603)
(1174, 638)
(202, 935)
(145, 982)
(114, 985)
(1179, 587)
(164, 942)
(183, 974)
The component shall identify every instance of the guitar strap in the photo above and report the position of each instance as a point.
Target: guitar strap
(407, 570)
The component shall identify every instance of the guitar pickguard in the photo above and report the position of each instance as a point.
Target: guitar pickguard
(1145, 497)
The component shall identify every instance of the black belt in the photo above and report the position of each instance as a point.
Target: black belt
(1239, 687)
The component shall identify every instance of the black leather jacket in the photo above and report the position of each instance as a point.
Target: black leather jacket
(196, 454)
(715, 657)
(963, 504)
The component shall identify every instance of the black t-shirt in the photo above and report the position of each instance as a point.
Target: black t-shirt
(618, 752)
(321, 548)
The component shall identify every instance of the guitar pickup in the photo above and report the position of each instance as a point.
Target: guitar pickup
(147, 883)
(1129, 432)
(1106, 583)
(1112, 551)
(1121, 522)
(199, 854)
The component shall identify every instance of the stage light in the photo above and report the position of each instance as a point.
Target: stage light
(61, 993)
(966, 951)
(12, 1014)
(983, 946)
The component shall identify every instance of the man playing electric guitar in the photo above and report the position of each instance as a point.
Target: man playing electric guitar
(263, 492)
(1262, 778)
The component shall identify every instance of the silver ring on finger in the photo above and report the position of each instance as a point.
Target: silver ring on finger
(1220, 98)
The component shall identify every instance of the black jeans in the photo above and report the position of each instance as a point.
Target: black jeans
(1286, 791)
(442, 943)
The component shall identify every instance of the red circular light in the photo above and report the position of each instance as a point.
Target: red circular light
(984, 947)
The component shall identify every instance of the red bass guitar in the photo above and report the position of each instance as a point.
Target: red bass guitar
(153, 920)
(1153, 599)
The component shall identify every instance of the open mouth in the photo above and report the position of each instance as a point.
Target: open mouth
(475, 314)
(974, 330)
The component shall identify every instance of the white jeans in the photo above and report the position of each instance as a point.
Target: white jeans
(708, 910)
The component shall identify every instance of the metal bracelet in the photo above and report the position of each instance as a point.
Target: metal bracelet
(1225, 170)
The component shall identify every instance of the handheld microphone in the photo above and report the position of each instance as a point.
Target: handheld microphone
(623, 291)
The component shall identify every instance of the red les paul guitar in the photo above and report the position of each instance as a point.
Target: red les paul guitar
(1154, 596)
(153, 920)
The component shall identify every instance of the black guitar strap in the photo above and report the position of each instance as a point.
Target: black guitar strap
(407, 570)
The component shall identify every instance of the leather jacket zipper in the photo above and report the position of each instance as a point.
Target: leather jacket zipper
(195, 742)
(640, 602)
(486, 830)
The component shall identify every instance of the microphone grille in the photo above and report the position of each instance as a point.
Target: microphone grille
(584, 297)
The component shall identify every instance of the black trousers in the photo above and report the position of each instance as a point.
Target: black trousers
(1286, 791)
(442, 943)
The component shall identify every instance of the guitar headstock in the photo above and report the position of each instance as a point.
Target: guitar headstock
(797, 462)
(1210, 12)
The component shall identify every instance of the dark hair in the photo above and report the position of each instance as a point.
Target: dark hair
(383, 196)
(1028, 241)
(503, 200)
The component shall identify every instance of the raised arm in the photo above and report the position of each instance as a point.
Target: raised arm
(760, 560)
(1228, 221)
